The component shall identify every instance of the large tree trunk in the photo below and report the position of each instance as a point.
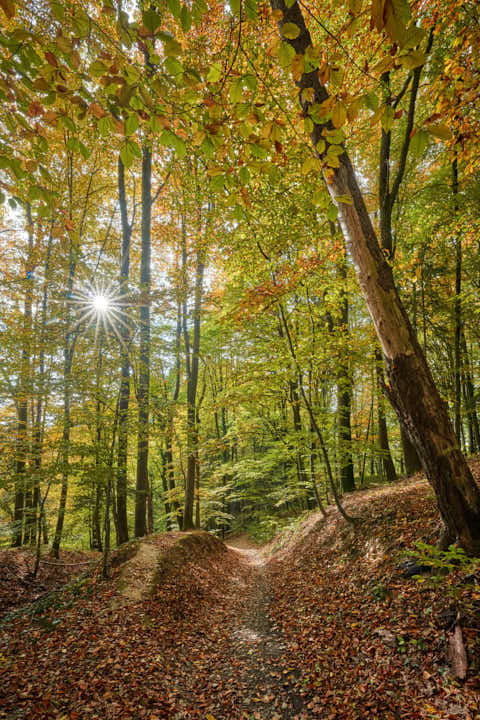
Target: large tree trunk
(144, 369)
(410, 384)
(121, 524)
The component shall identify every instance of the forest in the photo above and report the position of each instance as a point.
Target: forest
(240, 276)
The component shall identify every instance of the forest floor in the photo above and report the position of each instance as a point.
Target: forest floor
(321, 623)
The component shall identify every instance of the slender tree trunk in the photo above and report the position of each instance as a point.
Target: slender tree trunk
(121, 524)
(68, 351)
(144, 369)
(457, 308)
(470, 403)
(410, 384)
(297, 426)
(192, 384)
(65, 451)
(23, 500)
(386, 456)
(37, 435)
(97, 490)
(344, 395)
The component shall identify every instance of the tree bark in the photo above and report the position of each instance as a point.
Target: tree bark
(344, 395)
(457, 308)
(22, 505)
(386, 456)
(68, 351)
(192, 383)
(121, 524)
(410, 384)
(410, 455)
(144, 369)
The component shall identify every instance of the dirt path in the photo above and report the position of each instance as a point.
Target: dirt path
(259, 645)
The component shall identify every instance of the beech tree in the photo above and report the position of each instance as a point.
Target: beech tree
(410, 383)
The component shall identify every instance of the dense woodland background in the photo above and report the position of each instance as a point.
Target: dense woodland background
(183, 340)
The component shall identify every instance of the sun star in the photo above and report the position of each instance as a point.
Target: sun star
(101, 303)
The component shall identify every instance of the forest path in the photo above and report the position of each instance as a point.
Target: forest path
(258, 644)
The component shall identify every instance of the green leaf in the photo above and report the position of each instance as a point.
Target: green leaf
(332, 212)
(371, 101)
(251, 82)
(244, 175)
(286, 53)
(236, 90)
(97, 68)
(175, 8)
(173, 66)
(131, 124)
(208, 148)
(251, 9)
(290, 3)
(105, 126)
(85, 151)
(151, 20)
(171, 140)
(290, 31)
(215, 73)
(419, 142)
(199, 8)
(185, 19)
(388, 117)
(126, 156)
(235, 6)
(413, 37)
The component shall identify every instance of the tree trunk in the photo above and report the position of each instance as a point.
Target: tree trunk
(97, 490)
(386, 456)
(68, 351)
(192, 383)
(457, 308)
(144, 369)
(470, 403)
(410, 383)
(121, 524)
(410, 455)
(344, 395)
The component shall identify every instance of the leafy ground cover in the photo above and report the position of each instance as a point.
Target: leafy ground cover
(322, 623)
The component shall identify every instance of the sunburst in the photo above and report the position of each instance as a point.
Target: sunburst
(103, 306)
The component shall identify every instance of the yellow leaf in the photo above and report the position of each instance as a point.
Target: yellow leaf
(377, 14)
(413, 59)
(8, 7)
(298, 66)
(353, 109)
(339, 114)
(290, 31)
(440, 131)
